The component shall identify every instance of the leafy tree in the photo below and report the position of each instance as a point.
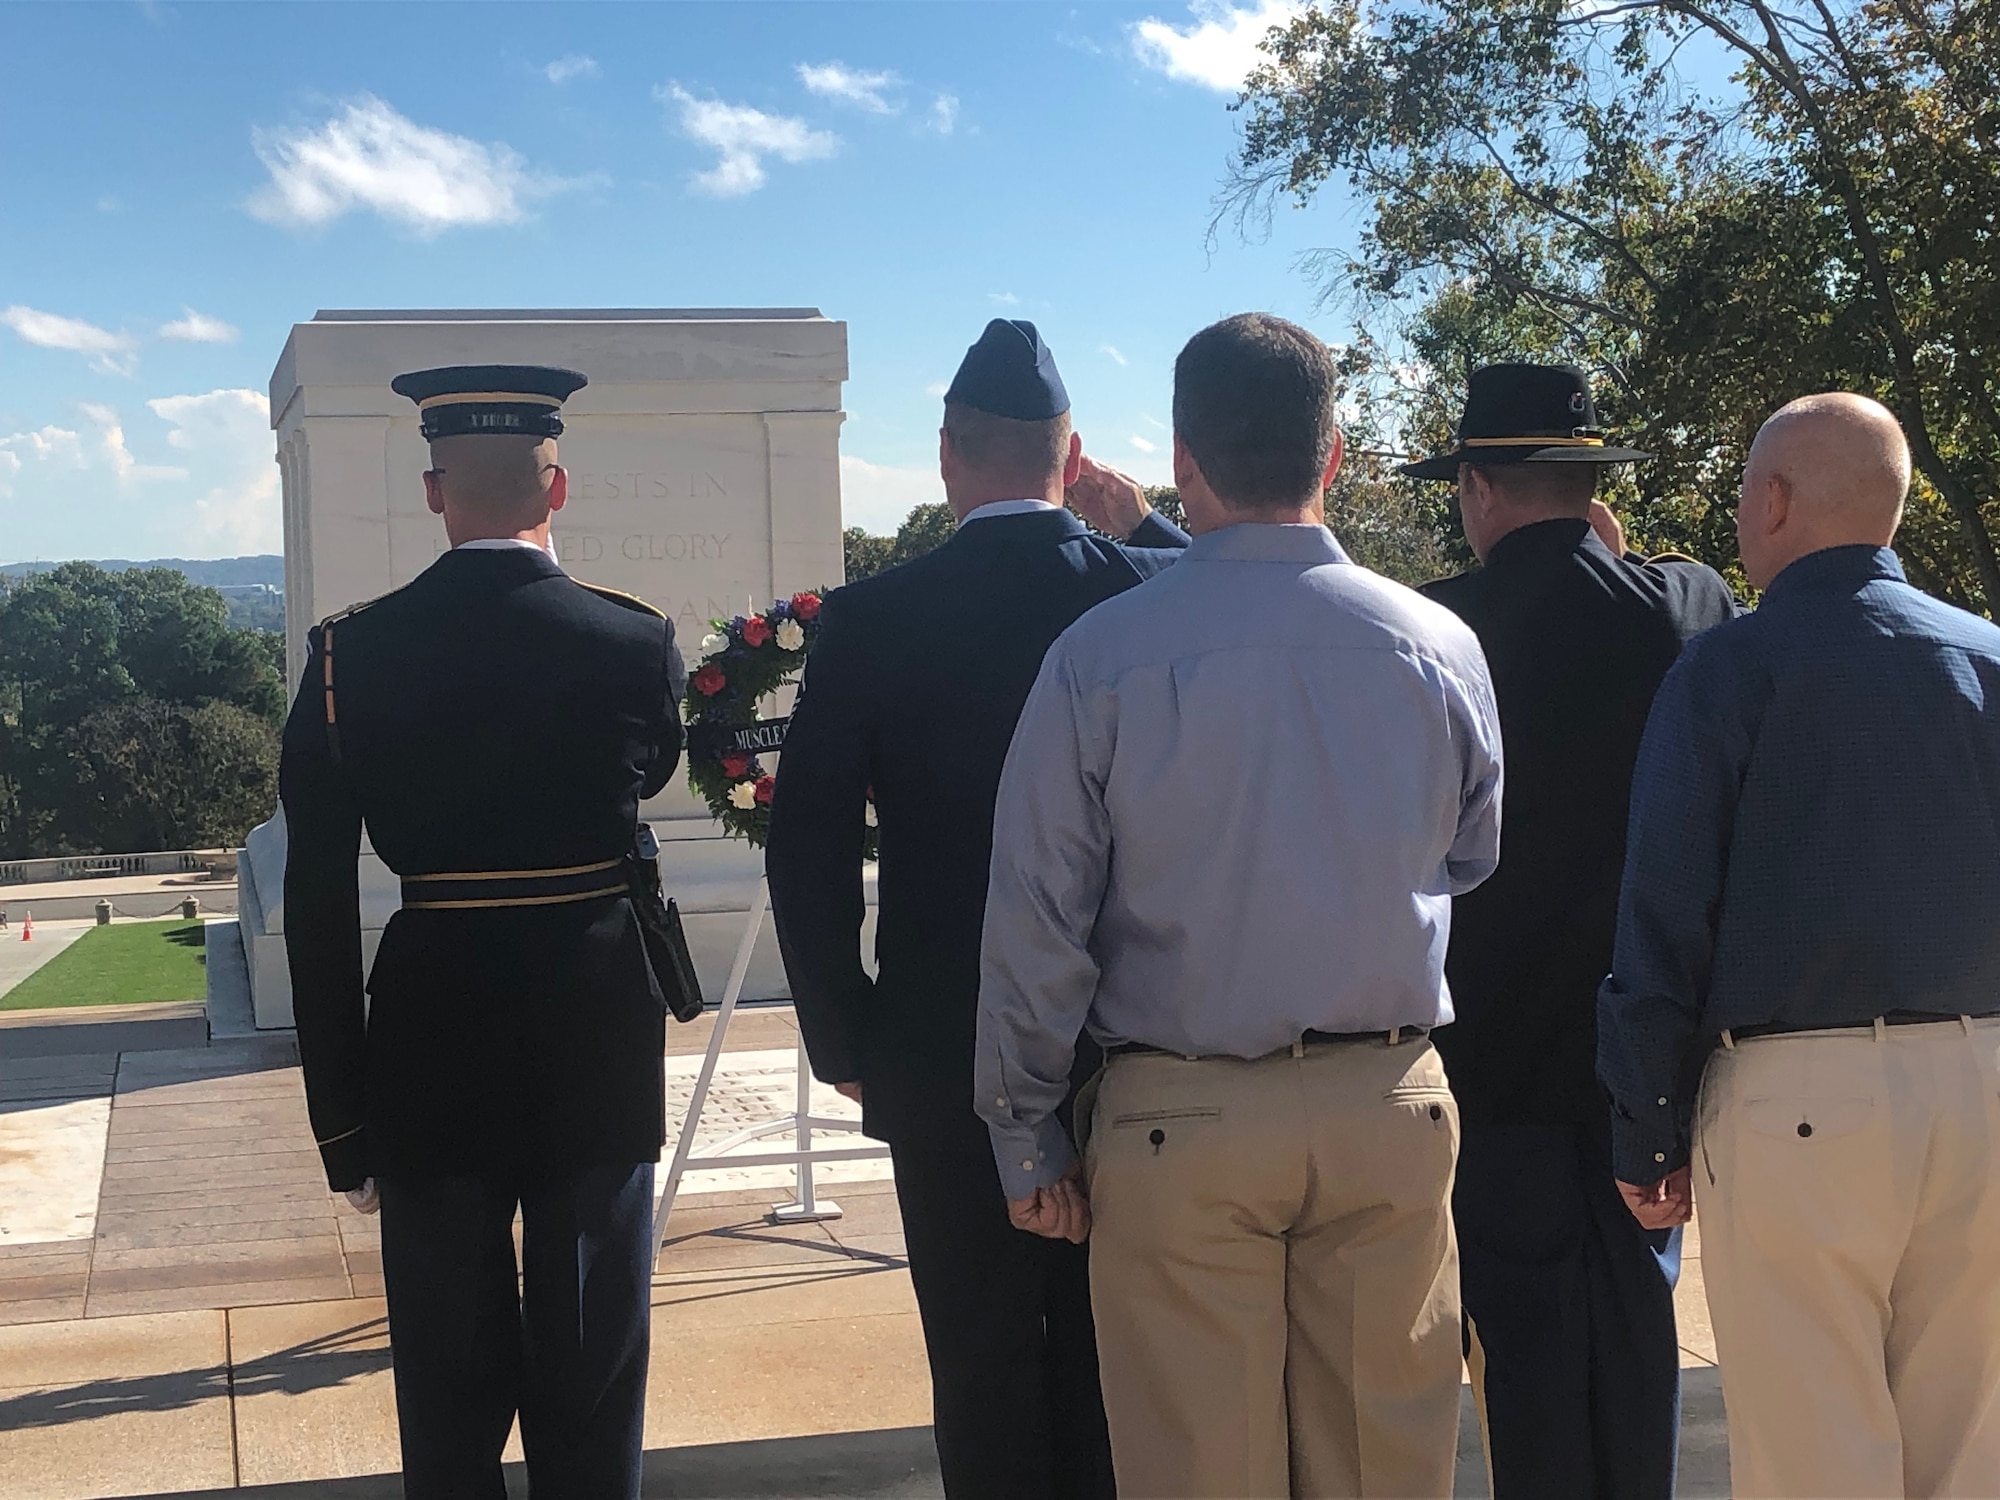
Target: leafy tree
(1543, 178)
(925, 527)
(131, 715)
(147, 774)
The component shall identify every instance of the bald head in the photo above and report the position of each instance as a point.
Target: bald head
(487, 486)
(1825, 471)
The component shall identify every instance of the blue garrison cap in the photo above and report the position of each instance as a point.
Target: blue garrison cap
(503, 400)
(1010, 373)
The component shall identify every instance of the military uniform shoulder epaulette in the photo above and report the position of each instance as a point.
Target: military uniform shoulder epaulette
(630, 601)
(354, 609)
(1666, 557)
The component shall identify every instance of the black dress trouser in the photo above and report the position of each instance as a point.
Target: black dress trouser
(1018, 1414)
(1572, 1305)
(567, 1350)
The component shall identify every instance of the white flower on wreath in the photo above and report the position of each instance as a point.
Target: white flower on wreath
(868, 816)
(743, 796)
(712, 643)
(791, 635)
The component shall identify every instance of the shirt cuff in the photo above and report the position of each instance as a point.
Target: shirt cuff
(1030, 1157)
(1642, 1155)
(346, 1160)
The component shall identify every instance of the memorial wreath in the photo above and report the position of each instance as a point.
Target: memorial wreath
(743, 661)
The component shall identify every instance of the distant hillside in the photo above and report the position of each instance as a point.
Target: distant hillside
(253, 587)
(216, 571)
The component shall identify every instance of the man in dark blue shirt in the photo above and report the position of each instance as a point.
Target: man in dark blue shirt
(1805, 986)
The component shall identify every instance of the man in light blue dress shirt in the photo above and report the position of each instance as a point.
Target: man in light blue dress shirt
(1235, 811)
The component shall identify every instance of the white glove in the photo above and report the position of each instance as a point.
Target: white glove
(367, 1199)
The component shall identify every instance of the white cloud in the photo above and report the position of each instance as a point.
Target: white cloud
(199, 328)
(1144, 445)
(65, 450)
(1219, 49)
(568, 69)
(58, 447)
(111, 442)
(226, 435)
(742, 137)
(1005, 299)
(109, 353)
(1114, 355)
(1153, 421)
(944, 114)
(371, 157)
(845, 85)
(879, 497)
(937, 388)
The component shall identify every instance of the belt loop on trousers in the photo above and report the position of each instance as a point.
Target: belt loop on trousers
(1881, 1030)
(1299, 1047)
(1966, 1022)
(1395, 1035)
(1728, 1042)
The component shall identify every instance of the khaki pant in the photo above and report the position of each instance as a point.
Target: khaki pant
(1849, 1191)
(1273, 1273)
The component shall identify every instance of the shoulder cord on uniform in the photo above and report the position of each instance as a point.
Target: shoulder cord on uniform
(326, 682)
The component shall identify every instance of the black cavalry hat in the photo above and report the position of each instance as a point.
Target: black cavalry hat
(504, 400)
(1010, 373)
(1525, 414)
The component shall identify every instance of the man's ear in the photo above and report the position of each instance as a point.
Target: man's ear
(1186, 470)
(558, 487)
(1333, 459)
(1073, 464)
(434, 490)
(1777, 503)
(947, 460)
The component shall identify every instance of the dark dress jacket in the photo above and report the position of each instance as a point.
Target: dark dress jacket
(913, 689)
(493, 715)
(1577, 641)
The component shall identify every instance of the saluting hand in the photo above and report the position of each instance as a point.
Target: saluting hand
(1663, 1204)
(1112, 502)
(1608, 528)
(1060, 1211)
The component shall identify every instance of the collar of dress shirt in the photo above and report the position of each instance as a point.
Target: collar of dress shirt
(1254, 541)
(1837, 568)
(1008, 508)
(502, 544)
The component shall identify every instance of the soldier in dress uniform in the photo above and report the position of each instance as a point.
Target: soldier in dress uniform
(494, 724)
(1569, 1303)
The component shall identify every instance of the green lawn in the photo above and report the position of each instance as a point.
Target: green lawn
(121, 964)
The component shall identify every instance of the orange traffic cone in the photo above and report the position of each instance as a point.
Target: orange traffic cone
(28, 927)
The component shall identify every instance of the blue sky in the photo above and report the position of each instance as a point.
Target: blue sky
(180, 183)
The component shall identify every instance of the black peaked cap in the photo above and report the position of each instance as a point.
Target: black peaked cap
(1010, 372)
(502, 400)
(1525, 414)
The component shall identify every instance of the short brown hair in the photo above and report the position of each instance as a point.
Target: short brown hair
(1008, 451)
(1253, 401)
(1563, 485)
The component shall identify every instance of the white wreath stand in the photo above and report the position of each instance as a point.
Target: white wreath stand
(805, 1207)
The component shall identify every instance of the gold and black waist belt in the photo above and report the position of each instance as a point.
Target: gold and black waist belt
(496, 888)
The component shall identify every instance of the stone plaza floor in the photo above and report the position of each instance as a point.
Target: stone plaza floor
(184, 1307)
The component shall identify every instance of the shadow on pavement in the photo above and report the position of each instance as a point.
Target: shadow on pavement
(901, 1464)
(896, 1463)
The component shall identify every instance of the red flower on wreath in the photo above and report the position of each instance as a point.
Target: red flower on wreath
(710, 680)
(767, 787)
(756, 630)
(806, 606)
(733, 766)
